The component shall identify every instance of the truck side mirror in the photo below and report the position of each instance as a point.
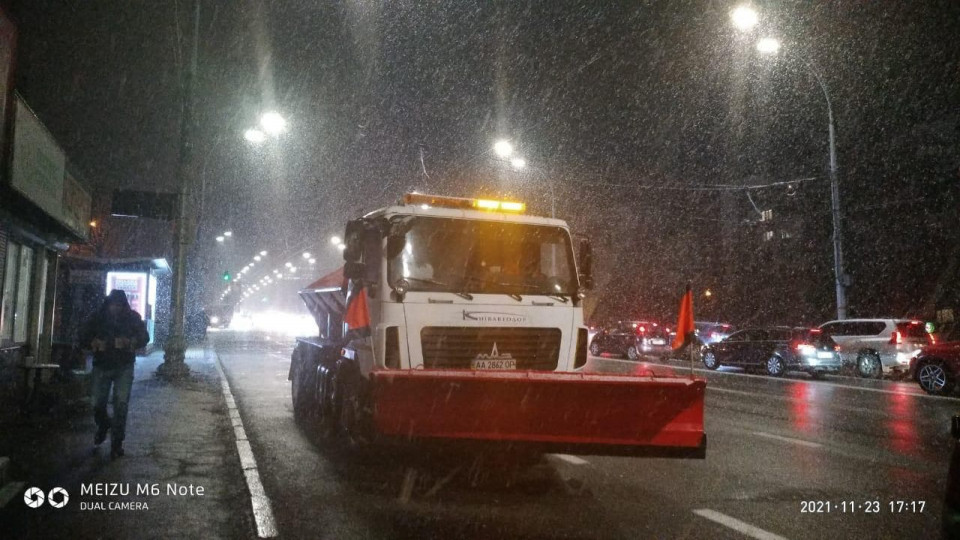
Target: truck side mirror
(353, 239)
(586, 264)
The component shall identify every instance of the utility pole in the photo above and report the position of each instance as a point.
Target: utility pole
(173, 365)
(839, 276)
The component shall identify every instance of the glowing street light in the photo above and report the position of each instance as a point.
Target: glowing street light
(768, 46)
(273, 123)
(335, 240)
(254, 135)
(220, 239)
(306, 255)
(257, 258)
(341, 247)
(744, 17)
(518, 163)
(263, 253)
(228, 234)
(313, 261)
(503, 148)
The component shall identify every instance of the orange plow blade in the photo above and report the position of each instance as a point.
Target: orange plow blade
(556, 412)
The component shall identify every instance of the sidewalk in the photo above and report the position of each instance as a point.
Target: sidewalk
(178, 435)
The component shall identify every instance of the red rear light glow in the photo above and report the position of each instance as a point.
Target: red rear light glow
(815, 330)
(896, 338)
(933, 340)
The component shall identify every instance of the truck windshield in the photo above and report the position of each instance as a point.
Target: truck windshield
(472, 256)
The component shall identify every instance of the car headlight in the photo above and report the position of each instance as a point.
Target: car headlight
(214, 320)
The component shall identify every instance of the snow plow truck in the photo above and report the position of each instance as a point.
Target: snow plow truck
(461, 320)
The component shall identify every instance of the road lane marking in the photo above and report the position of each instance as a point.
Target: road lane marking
(573, 460)
(262, 509)
(741, 527)
(787, 439)
(919, 393)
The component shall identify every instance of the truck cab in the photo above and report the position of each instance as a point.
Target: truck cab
(455, 286)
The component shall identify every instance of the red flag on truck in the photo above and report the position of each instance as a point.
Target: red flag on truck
(685, 328)
(357, 316)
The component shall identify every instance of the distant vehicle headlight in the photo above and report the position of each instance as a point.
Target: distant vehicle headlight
(214, 320)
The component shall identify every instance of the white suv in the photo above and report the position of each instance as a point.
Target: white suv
(878, 346)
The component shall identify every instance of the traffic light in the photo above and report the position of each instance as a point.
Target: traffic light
(226, 276)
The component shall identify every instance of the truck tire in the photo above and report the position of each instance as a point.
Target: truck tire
(351, 404)
(324, 416)
(301, 388)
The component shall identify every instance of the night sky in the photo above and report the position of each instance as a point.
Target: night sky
(632, 109)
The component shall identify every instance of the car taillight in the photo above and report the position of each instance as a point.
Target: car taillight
(896, 338)
(933, 340)
(806, 349)
(715, 335)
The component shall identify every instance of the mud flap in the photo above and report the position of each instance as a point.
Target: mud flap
(569, 412)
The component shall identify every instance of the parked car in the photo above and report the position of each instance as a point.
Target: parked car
(712, 332)
(652, 338)
(619, 338)
(776, 349)
(878, 346)
(936, 367)
(706, 334)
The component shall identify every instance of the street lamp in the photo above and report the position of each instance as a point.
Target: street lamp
(768, 45)
(254, 135)
(263, 253)
(335, 240)
(503, 148)
(228, 234)
(771, 46)
(220, 239)
(273, 123)
(518, 163)
(306, 255)
(744, 17)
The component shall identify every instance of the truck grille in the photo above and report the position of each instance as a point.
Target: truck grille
(454, 347)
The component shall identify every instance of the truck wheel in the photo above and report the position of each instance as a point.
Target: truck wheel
(595, 349)
(632, 353)
(351, 404)
(301, 390)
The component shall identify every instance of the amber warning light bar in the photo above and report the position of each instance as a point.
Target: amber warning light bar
(463, 203)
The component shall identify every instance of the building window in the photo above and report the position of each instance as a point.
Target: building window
(768, 236)
(17, 282)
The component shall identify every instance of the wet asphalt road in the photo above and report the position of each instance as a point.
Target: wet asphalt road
(773, 445)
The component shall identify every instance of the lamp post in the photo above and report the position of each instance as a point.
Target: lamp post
(174, 352)
(771, 46)
(745, 18)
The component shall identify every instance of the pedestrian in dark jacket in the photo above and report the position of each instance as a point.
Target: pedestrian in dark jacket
(114, 334)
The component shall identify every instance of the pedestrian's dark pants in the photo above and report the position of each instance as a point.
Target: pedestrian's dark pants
(121, 378)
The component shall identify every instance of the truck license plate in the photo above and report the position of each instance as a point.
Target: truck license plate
(494, 364)
(657, 341)
(825, 355)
